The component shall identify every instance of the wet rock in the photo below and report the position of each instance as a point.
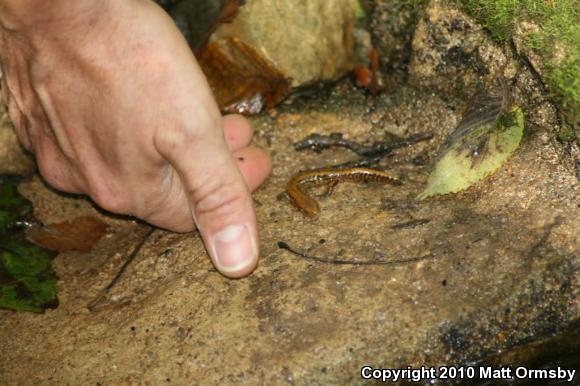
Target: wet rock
(167, 4)
(544, 64)
(521, 33)
(306, 40)
(545, 35)
(198, 19)
(452, 54)
(392, 24)
(504, 270)
(503, 273)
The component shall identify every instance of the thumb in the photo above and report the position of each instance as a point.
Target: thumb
(220, 201)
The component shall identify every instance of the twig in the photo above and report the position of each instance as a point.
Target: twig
(411, 224)
(326, 260)
(546, 234)
(99, 301)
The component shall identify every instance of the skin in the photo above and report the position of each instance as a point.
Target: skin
(109, 98)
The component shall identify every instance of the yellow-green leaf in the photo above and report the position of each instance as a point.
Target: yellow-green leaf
(461, 165)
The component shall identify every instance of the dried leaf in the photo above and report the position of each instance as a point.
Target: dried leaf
(363, 76)
(79, 234)
(242, 80)
(369, 77)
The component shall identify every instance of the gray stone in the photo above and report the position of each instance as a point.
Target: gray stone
(392, 24)
(307, 40)
(452, 54)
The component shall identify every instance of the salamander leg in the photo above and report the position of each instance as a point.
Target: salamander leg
(330, 187)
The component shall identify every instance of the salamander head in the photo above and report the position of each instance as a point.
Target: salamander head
(309, 207)
(302, 201)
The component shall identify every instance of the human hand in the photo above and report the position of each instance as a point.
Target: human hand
(109, 98)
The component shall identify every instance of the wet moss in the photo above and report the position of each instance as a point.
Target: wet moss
(567, 134)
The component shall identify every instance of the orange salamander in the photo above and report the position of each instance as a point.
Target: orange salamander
(308, 205)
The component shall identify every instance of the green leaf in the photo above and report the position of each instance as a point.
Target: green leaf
(27, 281)
(478, 153)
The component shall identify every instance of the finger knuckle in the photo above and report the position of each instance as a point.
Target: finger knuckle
(172, 139)
(218, 198)
(47, 173)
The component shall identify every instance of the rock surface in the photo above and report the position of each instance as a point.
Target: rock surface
(452, 54)
(308, 40)
(392, 24)
(503, 265)
(505, 260)
(252, 60)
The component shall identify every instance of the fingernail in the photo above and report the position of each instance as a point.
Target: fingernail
(234, 248)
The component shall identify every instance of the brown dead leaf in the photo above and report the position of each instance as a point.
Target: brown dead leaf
(242, 80)
(369, 77)
(79, 234)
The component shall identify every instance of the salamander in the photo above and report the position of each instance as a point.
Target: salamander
(330, 176)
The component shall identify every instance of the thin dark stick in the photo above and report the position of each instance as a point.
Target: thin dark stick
(411, 224)
(326, 260)
(546, 235)
(99, 301)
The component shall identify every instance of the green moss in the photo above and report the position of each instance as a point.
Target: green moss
(556, 41)
(495, 15)
(567, 134)
(417, 3)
